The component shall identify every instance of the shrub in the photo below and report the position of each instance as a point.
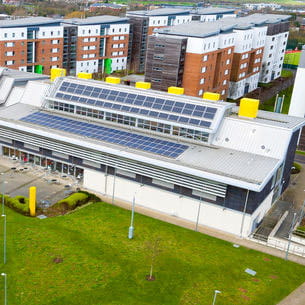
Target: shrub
(73, 201)
(296, 168)
(19, 203)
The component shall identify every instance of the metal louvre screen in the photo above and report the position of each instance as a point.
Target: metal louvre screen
(163, 174)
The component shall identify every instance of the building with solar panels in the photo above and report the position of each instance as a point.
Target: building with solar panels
(178, 155)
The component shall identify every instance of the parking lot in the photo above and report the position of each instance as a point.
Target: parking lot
(16, 178)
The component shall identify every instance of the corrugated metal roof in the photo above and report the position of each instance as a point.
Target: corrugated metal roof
(95, 20)
(24, 22)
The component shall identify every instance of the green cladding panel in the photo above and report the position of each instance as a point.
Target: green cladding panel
(39, 69)
(107, 65)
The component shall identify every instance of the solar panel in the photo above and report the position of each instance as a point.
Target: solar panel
(128, 139)
(182, 109)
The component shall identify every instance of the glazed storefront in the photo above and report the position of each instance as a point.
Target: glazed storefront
(50, 163)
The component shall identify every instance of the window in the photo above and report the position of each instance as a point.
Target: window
(5, 35)
(55, 41)
(22, 34)
(157, 69)
(9, 44)
(86, 40)
(226, 72)
(228, 61)
(159, 57)
(200, 92)
(156, 80)
(9, 62)
(10, 53)
(205, 58)
(224, 82)
(223, 92)
(115, 46)
(43, 33)
(122, 45)
(203, 69)
(158, 45)
(55, 50)
(229, 51)
(202, 81)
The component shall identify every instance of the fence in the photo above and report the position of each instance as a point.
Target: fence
(280, 244)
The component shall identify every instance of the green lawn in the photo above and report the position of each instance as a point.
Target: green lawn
(269, 104)
(101, 266)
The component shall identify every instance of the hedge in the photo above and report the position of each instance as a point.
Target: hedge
(19, 203)
(73, 201)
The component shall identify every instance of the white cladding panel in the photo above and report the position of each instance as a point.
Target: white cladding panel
(207, 18)
(168, 203)
(88, 66)
(13, 34)
(202, 45)
(182, 19)
(118, 29)
(259, 37)
(158, 21)
(50, 32)
(245, 135)
(243, 40)
(297, 104)
(226, 40)
(119, 63)
(88, 30)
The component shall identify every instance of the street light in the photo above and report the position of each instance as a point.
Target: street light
(131, 228)
(5, 288)
(4, 239)
(215, 295)
(3, 190)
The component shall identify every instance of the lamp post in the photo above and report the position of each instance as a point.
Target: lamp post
(3, 191)
(4, 239)
(131, 228)
(215, 295)
(5, 288)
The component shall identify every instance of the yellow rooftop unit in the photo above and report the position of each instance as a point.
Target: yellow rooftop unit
(113, 80)
(175, 90)
(248, 107)
(84, 75)
(211, 96)
(143, 85)
(57, 72)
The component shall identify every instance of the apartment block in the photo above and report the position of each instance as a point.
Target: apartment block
(224, 56)
(206, 14)
(39, 44)
(144, 23)
(275, 46)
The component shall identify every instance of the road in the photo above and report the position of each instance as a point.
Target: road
(299, 158)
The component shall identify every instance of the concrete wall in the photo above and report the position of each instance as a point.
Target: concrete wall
(172, 204)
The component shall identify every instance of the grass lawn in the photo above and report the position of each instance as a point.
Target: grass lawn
(269, 104)
(99, 265)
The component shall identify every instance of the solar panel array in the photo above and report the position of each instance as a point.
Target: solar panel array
(128, 139)
(181, 112)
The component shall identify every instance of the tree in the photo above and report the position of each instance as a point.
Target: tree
(153, 248)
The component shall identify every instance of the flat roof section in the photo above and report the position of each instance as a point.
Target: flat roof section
(95, 20)
(31, 21)
(159, 12)
(206, 29)
(212, 11)
(219, 164)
